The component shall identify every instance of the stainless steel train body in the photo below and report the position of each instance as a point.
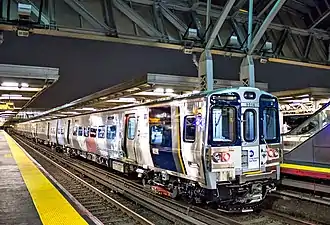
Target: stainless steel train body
(223, 145)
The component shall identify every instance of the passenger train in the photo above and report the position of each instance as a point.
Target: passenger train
(219, 148)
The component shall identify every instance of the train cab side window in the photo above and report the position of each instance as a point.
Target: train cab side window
(101, 132)
(75, 131)
(270, 124)
(92, 132)
(86, 131)
(189, 132)
(131, 123)
(80, 131)
(111, 132)
(249, 128)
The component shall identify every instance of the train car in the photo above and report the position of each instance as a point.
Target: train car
(306, 148)
(219, 147)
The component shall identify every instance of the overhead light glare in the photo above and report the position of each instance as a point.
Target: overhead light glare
(169, 90)
(159, 90)
(11, 95)
(86, 109)
(9, 84)
(25, 85)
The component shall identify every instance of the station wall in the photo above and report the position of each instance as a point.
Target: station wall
(88, 66)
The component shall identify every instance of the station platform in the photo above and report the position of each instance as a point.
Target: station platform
(27, 196)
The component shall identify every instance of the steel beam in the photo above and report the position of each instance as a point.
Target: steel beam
(219, 23)
(84, 13)
(319, 50)
(266, 8)
(181, 26)
(320, 19)
(136, 18)
(108, 17)
(308, 47)
(265, 25)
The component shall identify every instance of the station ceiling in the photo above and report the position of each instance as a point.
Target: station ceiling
(299, 31)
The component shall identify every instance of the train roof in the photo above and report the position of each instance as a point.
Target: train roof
(162, 100)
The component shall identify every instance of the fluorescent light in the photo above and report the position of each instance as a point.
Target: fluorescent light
(169, 90)
(70, 113)
(86, 109)
(14, 98)
(148, 93)
(159, 90)
(25, 85)
(9, 84)
(19, 89)
(11, 95)
(195, 91)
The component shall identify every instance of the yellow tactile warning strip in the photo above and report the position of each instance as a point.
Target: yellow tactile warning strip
(52, 207)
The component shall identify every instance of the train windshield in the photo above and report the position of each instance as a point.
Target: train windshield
(223, 125)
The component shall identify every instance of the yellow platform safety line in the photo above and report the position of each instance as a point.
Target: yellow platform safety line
(52, 207)
(309, 168)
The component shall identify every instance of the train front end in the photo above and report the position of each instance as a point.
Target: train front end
(242, 152)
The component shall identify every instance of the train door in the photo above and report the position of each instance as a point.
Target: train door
(130, 133)
(250, 140)
(68, 132)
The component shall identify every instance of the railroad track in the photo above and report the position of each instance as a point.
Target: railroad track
(173, 211)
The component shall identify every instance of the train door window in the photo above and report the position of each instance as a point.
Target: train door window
(101, 132)
(161, 135)
(223, 121)
(111, 132)
(189, 132)
(75, 131)
(249, 125)
(80, 131)
(86, 131)
(131, 123)
(270, 124)
(92, 132)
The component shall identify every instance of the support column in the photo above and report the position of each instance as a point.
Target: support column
(247, 76)
(205, 70)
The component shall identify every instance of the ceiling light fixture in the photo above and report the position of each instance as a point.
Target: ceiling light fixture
(9, 84)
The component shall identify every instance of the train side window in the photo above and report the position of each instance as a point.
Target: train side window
(75, 131)
(131, 123)
(92, 132)
(249, 127)
(101, 132)
(80, 131)
(111, 132)
(189, 131)
(62, 130)
(86, 131)
(270, 124)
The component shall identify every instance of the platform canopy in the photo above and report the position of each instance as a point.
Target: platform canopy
(143, 89)
(20, 86)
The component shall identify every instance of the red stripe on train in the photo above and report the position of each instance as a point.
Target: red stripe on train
(306, 173)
